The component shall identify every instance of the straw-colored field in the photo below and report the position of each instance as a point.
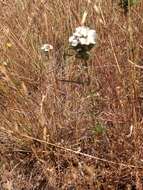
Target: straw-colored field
(68, 123)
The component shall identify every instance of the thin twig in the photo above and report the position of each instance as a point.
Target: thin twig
(135, 65)
(75, 152)
(71, 81)
(82, 154)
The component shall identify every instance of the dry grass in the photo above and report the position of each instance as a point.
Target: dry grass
(57, 134)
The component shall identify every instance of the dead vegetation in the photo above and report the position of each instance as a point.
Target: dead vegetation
(57, 131)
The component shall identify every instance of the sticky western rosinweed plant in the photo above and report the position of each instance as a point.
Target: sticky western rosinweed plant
(83, 40)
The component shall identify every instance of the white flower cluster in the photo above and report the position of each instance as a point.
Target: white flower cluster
(46, 47)
(83, 36)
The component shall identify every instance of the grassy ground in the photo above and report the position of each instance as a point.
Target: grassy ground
(60, 134)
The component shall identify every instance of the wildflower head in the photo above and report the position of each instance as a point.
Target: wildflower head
(8, 45)
(46, 48)
(83, 40)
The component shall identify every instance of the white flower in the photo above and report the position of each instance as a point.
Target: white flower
(82, 31)
(46, 47)
(83, 36)
(71, 38)
(74, 42)
(83, 41)
(91, 37)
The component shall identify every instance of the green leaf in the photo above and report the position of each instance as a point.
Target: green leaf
(99, 129)
(126, 3)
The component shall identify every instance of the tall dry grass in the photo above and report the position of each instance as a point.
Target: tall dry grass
(60, 134)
